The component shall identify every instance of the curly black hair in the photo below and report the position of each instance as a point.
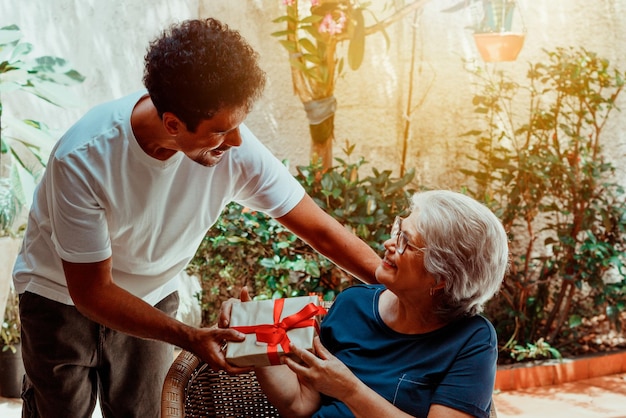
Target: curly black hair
(198, 67)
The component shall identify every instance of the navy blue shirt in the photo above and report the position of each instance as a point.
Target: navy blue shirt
(453, 366)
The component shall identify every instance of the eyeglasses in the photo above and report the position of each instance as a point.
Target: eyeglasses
(402, 241)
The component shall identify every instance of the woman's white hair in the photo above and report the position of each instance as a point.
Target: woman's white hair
(466, 248)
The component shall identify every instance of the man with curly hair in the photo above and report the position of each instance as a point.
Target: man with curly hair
(127, 197)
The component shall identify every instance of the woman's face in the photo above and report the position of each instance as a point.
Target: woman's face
(405, 272)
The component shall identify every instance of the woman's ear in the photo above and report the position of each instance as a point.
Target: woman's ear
(440, 285)
(436, 288)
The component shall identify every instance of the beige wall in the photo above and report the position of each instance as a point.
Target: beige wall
(106, 40)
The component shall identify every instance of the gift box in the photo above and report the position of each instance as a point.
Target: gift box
(270, 326)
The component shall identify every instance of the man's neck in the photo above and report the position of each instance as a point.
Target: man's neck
(149, 131)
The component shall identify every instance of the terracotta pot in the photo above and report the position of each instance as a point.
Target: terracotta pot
(11, 373)
(503, 46)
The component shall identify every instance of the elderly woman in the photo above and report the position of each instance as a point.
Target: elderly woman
(414, 345)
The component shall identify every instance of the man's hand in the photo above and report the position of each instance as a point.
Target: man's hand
(211, 348)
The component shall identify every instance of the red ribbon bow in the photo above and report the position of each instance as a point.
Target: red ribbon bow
(276, 334)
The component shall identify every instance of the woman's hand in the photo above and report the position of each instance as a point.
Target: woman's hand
(324, 372)
(214, 340)
(327, 374)
(227, 307)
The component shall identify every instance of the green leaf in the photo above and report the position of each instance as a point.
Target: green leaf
(58, 70)
(313, 269)
(575, 321)
(57, 94)
(296, 63)
(312, 58)
(312, 30)
(22, 49)
(284, 18)
(308, 45)
(314, 18)
(289, 45)
(9, 34)
(15, 75)
(32, 136)
(281, 33)
(356, 49)
(8, 86)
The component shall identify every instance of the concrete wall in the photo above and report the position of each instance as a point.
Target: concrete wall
(106, 41)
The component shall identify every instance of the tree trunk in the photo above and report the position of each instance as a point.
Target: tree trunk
(322, 136)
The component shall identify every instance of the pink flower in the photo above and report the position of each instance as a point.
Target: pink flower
(331, 26)
(289, 2)
(315, 3)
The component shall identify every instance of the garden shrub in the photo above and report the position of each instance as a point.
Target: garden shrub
(249, 248)
(544, 173)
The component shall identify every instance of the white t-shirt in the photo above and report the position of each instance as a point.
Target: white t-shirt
(102, 196)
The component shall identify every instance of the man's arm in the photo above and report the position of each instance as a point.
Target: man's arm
(324, 233)
(99, 299)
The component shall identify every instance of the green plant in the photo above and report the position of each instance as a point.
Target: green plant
(29, 142)
(365, 205)
(489, 15)
(10, 208)
(547, 178)
(249, 248)
(311, 37)
(533, 351)
(10, 332)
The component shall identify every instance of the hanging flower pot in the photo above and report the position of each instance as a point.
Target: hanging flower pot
(499, 46)
(492, 23)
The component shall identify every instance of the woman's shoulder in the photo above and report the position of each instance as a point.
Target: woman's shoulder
(476, 327)
(360, 290)
(357, 294)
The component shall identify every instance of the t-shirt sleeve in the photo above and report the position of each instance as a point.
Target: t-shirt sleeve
(78, 222)
(267, 186)
(475, 362)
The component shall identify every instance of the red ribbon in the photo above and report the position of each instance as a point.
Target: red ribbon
(276, 334)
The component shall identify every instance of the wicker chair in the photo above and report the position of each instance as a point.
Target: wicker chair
(192, 389)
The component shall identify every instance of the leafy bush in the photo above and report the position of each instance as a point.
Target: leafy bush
(249, 248)
(11, 327)
(28, 142)
(549, 182)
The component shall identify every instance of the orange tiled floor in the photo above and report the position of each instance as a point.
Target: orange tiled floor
(600, 397)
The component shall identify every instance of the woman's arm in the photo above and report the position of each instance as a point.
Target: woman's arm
(327, 374)
(298, 395)
(291, 396)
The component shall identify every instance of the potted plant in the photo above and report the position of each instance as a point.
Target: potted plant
(10, 207)
(493, 28)
(25, 144)
(11, 363)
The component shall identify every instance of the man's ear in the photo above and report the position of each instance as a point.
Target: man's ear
(172, 124)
